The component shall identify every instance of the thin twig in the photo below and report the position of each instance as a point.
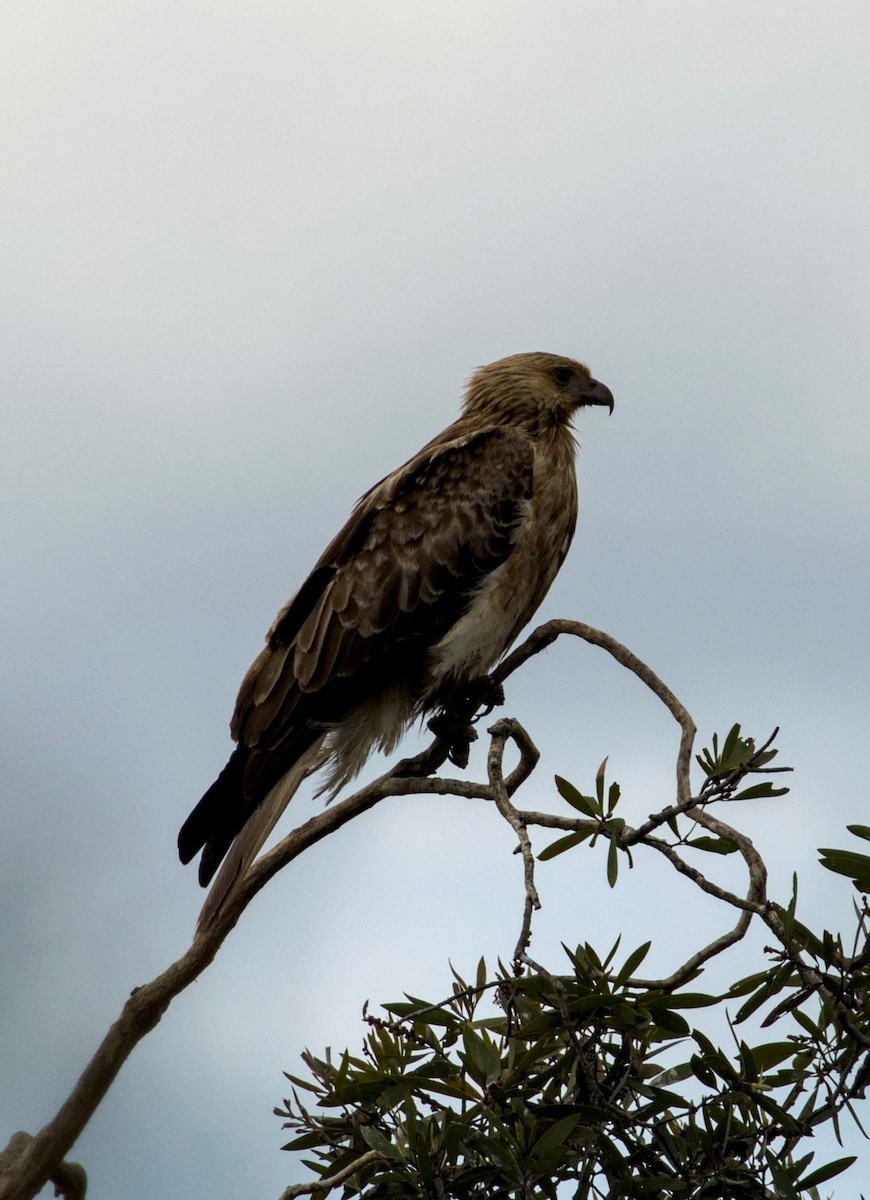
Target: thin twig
(754, 903)
(750, 906)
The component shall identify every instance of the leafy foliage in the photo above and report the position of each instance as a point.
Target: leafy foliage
(595, 1082)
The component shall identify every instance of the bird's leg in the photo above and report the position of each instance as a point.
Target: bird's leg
(454, 725)
(457, 733)
(485, 693)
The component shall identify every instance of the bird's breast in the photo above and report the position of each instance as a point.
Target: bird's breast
(507, 599)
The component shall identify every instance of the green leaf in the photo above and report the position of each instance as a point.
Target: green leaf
(631, 964)
(584, 804)
(702, 1071)
(788, 1123)
(556, 1134)
(391, 1097)
(731, 740)
(306, 1142)
(807, 1024)
(562, 844)
(773, 983)
(749, 984)
(599, 785)
(713, 845)
(827, 1172)
(669, 1020)
(771, 1054)
(302, 1083)
(376, 1140)
(750, 1068)
(483, 1055)
(612, 864)
(861, 831)
(781, 1177)
(759, 791)
(736, 752)
(481, 973)
(691, 1000)
(848, 862)
(403, 1008)
(672, 1075)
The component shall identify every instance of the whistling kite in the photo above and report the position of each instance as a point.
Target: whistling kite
(439, 567)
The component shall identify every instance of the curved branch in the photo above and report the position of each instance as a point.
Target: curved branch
(499, 734)
(754, 904)
(546, 634)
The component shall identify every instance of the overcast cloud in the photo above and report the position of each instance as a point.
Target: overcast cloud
(250, 254)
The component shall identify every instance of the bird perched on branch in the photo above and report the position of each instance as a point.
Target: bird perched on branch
(439, 567)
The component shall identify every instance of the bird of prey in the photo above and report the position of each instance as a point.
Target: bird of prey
(439, 567)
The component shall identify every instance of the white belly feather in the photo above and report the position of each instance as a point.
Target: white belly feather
(477, 641)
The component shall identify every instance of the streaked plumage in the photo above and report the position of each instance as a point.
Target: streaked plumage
(439, 567)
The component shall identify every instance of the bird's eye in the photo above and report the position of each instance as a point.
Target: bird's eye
(563, 375)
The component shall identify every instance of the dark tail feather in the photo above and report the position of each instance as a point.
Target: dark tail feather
(216, 820)
(260, 821)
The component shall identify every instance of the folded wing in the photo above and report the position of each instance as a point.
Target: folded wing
(352, 644)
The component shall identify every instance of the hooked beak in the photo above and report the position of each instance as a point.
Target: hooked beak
(599, 393)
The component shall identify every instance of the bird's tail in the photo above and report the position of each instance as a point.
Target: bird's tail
(249, 841)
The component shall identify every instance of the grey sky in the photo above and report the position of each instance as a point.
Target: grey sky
(250, 255)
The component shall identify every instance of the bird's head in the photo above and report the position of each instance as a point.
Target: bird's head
(533, 391)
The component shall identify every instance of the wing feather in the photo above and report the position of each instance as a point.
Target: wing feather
(400, 573)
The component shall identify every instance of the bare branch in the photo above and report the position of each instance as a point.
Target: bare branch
(754, 904)
(499, 733)
(36, 1160)
(321, 1186)
(546, 634)
(30, 1164)
(69, 1179)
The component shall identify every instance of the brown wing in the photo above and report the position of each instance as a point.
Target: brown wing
(399, 574)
